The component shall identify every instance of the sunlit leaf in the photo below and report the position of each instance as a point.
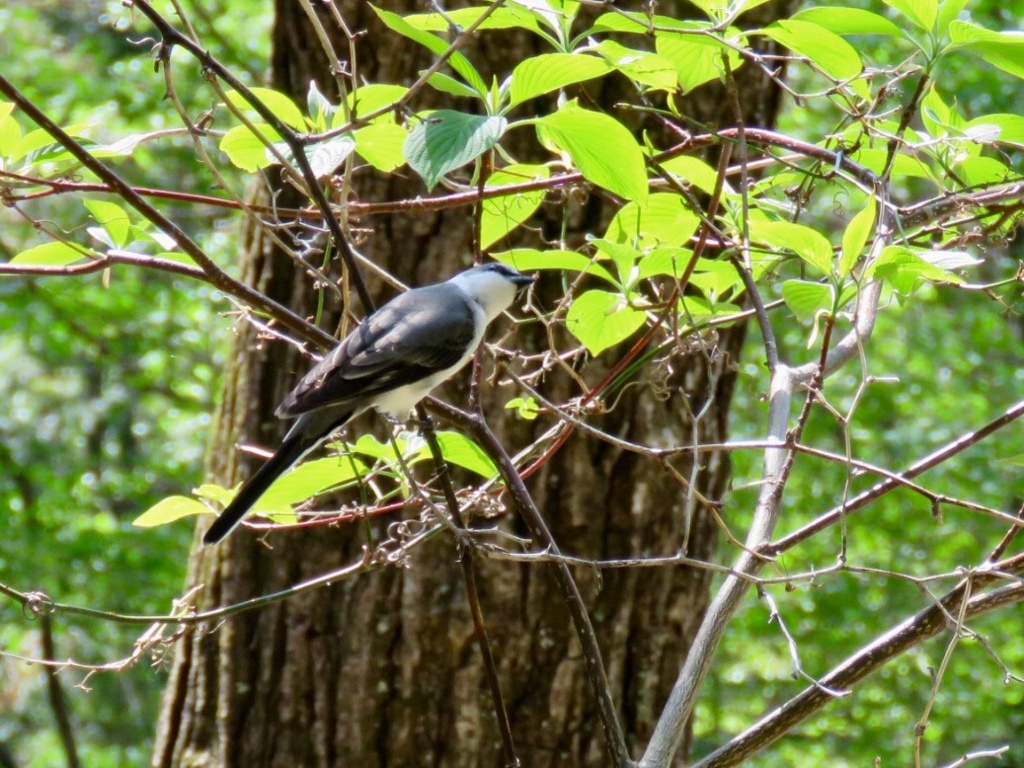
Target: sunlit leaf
(836, 57)
(445, 140)
(548, 72)
(55, 254)
(809, 244)
(501, 215)
(600, 319)
(170, 509)
(530, 260)
(279, 104)
(113, 218)
(806, 299)
(586, 137)
(855, 236)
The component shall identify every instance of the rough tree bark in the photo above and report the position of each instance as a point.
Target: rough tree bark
(382, 670)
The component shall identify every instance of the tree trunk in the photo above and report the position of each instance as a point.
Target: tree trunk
(382, 669)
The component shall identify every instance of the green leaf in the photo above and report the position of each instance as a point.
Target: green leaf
(112, 218)
(55, 254)
(10, 135)
(623, 255)
(806, 299)
(435, 45)
(368, 99)
(665, 219)
(1009, 128)
(587, 136)
(279, 104)
(809, 244)
(505, 17)
(855, 236)
(526, 407)
(836, 57)
(445, 140)
(548, 72)
(697, 58)
(246, 150)
(600, 319)
(922, 12)
(948, 11)
(530, 260)
(849, 21)
(439, 81)
(1004, 50)
(382, 145)
(500, 215)
(904, 269)
(693, 170)
(460, 450)
(642, 67)
(170, 509)
(307, 480)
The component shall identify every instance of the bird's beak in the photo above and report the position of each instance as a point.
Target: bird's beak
(521, 281)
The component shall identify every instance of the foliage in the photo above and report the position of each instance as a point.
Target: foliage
(886, 204)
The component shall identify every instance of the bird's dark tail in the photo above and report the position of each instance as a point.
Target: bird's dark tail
(309, 431)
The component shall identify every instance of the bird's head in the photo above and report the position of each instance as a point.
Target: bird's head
(493, 286)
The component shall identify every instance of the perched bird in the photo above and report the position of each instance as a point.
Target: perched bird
(390, 362)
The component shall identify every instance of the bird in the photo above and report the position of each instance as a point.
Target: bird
(391, 361)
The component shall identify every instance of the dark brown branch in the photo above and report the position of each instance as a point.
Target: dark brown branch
(55, 693)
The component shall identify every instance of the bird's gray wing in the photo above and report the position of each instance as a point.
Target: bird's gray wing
(414, 335)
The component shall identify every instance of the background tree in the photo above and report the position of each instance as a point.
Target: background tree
(242, 690)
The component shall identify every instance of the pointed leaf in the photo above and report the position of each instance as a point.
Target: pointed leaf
(55, 254)
(697, 58)
(849, 21)
(548, 72)
(600, 319)
(809, 244)
(168, 510)
(806, 299)
(665, 219)
(587, 136)
(460, 450)
(382, 145)
(435, 45)
(530, 260)
(922, 12)
(445, 140)
(308, 480)
(836, 57)
(855, 236)
(280, 104)
(113, 218)
(246, 150)
(369, 98)
(501, 215)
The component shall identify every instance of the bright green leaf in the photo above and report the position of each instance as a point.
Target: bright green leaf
(848, 21)
(922, 12)
(55, 254)
(855, 236)
(665, 219)
(530, 260)
(501, 215)
(435, 45)
(309, 479)
(1004, 50)
(460, 450)
(548, 72)
(693, 170)
(279, 104)
(904, 269)
(525, 407)
(809, 244)
(642, 67)
(836, 57)
(246, 150)
(1009, 129)
(168, 510)
(600, 319)
(697, 58)
(439, 81)
(806, 299)
(10, 135)
(382, 145)
(113, 218)
(445, 140)
(505, 17)
(586, 136)
(368, 99)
